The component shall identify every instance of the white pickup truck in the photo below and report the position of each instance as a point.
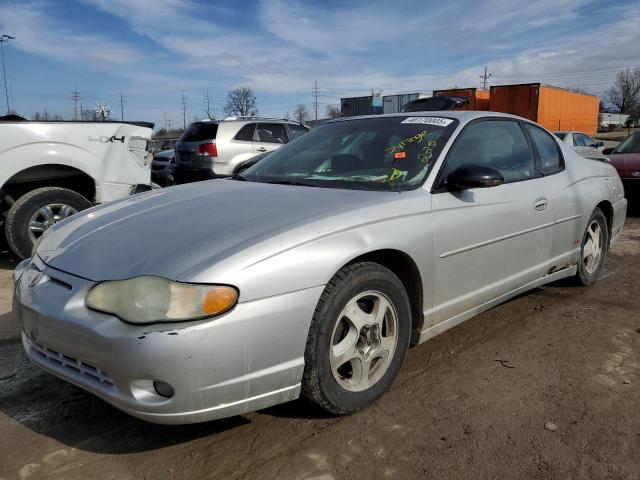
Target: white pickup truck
(50, 170)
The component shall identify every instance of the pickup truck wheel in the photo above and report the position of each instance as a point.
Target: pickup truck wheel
(37, 211)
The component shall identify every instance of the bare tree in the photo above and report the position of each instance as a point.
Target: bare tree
(625, 92)
(89, 114)
(301, 114)
(286, 116)
(332, 111)
(241, 101)
(45, 116)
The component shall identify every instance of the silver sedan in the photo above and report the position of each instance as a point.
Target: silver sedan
(313, 272)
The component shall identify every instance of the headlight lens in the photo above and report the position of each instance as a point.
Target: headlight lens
(155, 299)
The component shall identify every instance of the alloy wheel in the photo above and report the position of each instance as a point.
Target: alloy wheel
(46, 217)
(592, 250)
(363, 341)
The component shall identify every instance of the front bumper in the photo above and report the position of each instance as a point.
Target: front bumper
(247, 359)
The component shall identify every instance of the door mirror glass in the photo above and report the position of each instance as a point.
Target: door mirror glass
(473, 175)
(607, 151)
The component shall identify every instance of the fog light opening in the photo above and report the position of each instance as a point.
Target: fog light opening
(163, 388)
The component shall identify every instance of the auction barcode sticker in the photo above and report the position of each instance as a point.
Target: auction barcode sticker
(442, 122)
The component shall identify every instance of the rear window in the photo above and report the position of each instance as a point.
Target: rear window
(550, 159)
(630, 145)
(199, 131)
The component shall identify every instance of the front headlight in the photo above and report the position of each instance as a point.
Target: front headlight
(156, 299)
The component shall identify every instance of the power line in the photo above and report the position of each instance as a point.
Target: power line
(121, 107)
(315, 98)
(75, 96)
(184, 111)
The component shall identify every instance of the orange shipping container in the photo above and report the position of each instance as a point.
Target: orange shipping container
(554, 108)
(478, 98)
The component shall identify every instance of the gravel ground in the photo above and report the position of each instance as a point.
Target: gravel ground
(544, 386)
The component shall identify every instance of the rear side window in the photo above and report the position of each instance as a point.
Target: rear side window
(580, 140)
(246, 132)
(500, 144)
(550, 158)
(199, 131)
(272, 133)
(561, 136)
(297, 130)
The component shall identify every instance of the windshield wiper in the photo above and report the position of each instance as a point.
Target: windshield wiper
(288, 182)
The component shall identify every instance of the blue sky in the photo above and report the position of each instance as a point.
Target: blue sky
(154, 50)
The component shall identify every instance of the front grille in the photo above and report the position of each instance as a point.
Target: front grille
(58, 359)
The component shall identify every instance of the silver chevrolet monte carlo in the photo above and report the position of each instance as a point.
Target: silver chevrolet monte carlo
(313, 273)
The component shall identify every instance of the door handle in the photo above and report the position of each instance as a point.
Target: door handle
(540, 203)
(261, 149)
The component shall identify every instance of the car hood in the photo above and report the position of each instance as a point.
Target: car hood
(171, 231)
(165, 154)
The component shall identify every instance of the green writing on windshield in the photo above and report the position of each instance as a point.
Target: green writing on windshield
(427, 152)
(418, 137)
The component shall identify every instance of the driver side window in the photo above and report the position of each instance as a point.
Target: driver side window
(500, 144)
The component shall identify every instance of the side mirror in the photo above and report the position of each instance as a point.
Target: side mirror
(608, 151)
(473, 175)
(598, 143)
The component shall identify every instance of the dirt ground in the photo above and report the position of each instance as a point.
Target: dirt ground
(471, 403)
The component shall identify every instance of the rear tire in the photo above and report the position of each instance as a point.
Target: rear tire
(358, 339)
(595, 243)
(28, 217)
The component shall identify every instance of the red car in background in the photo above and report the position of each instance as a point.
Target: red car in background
(626, 158)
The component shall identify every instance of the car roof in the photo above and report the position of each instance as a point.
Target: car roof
(464, 116)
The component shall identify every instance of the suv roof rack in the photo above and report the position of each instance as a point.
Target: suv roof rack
(249, 117)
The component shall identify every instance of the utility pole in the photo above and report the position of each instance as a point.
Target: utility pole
(165, 121)
(169, 124)
(121, 107)
(12, 102)
(81, 112)
(75, 96)
(4, 39)
(315, 98)
(484, 78)
(184, 111)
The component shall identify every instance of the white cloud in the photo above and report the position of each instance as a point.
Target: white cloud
(350, 48)
(34, 33)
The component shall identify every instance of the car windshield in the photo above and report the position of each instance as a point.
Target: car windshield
(368, 153)
(630, 145)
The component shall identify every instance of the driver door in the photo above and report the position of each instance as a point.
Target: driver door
(489, 241)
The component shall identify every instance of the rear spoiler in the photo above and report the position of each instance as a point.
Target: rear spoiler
(433, 104)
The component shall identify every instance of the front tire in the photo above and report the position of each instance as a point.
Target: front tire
(358, 339)
(594, 247)
(36, 211)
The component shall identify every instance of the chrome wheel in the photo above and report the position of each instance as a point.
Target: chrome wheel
(592, 250)
(46, 217)
(363, 341)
